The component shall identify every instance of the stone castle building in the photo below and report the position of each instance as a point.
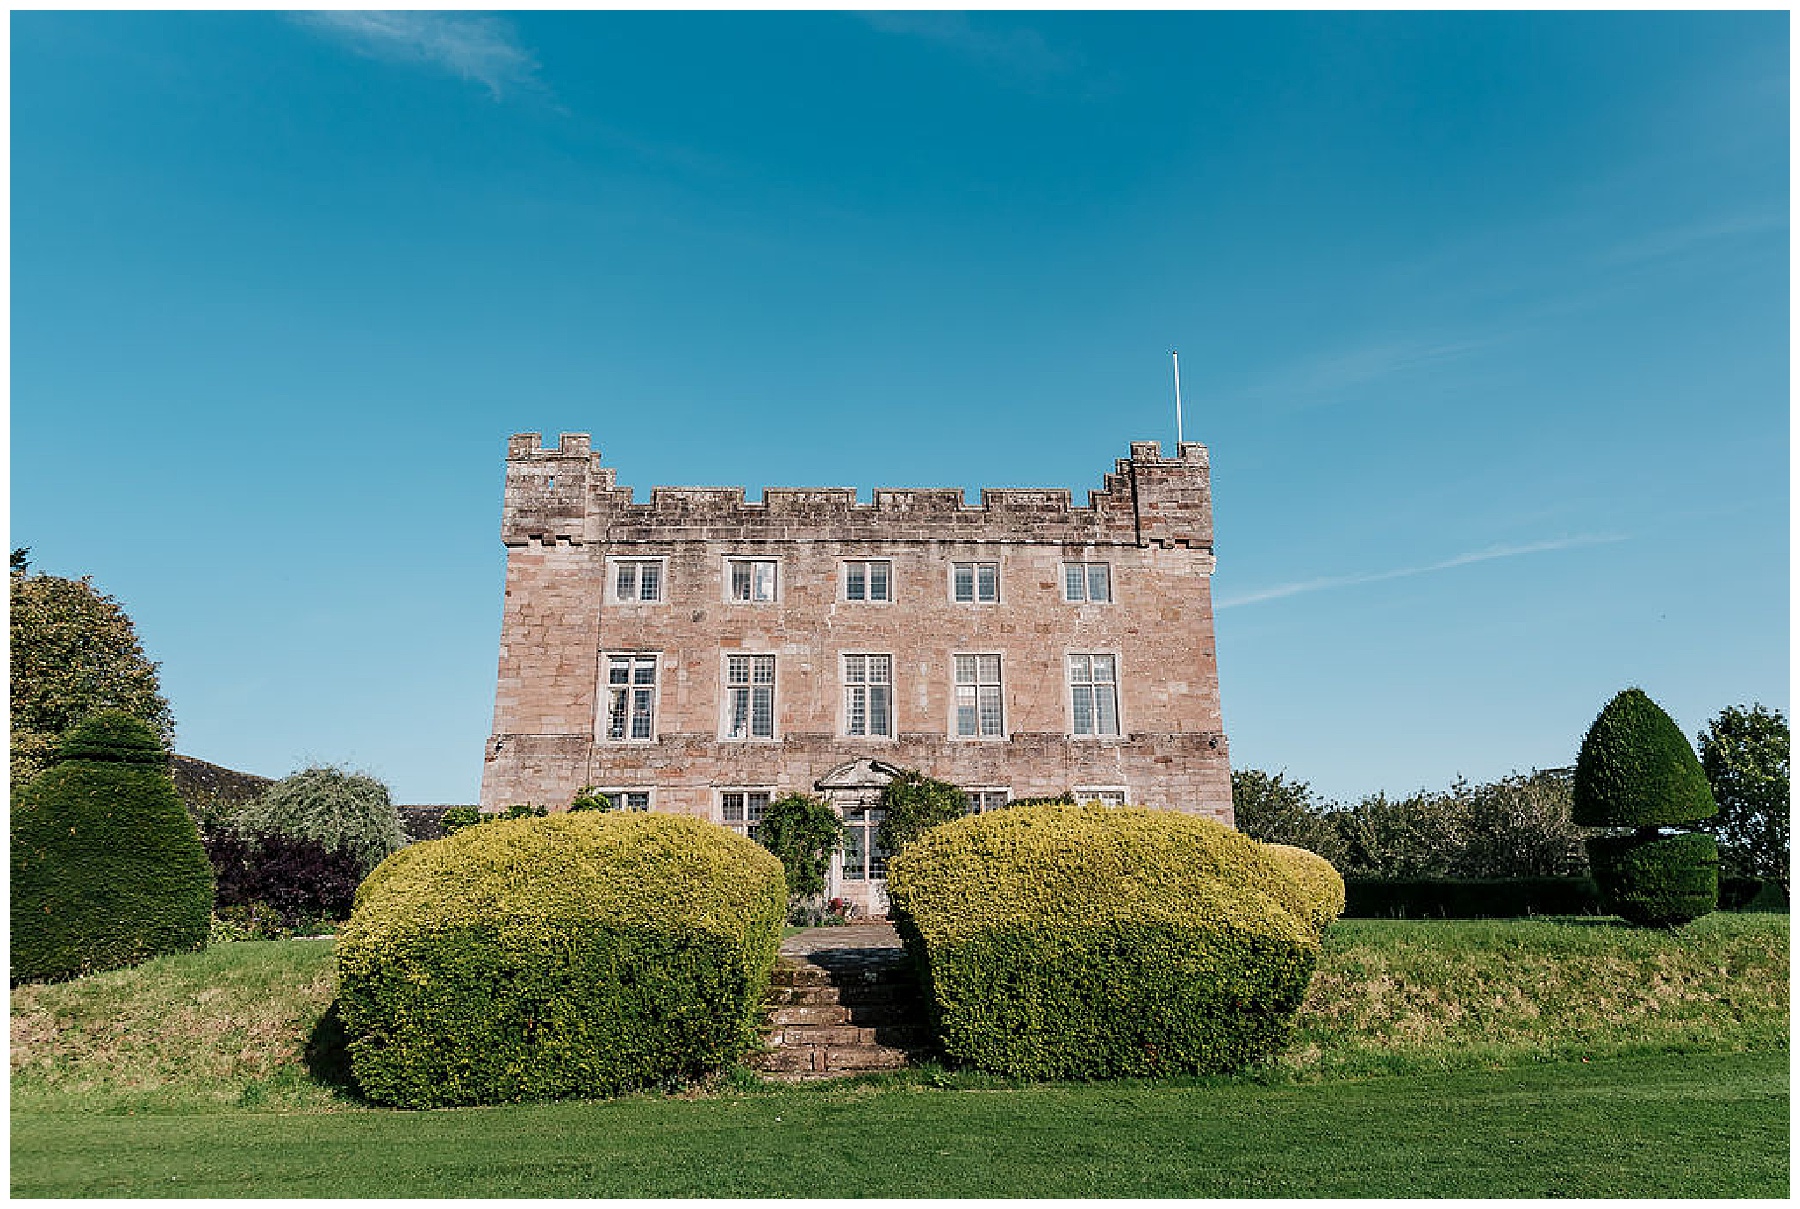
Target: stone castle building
(705, 654)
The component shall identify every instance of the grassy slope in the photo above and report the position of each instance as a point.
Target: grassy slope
(1661, 1126)
(227, 1028)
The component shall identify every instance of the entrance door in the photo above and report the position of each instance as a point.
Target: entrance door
(861, 865)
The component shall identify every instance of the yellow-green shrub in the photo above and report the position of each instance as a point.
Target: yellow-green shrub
(1321, 886)
(1088, 942)
(582, 954)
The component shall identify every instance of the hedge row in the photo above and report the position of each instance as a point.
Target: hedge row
(1094, 942)
(581, 954)
(1509, 898)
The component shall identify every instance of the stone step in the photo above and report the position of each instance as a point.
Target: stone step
(820, 1061)
(899, 1036)
(885, 992)
(869, 1014)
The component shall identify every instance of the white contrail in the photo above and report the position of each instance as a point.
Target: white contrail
(1461, 560)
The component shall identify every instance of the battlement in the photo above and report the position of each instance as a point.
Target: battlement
(565, 493)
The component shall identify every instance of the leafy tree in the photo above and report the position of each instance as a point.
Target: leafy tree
(1417, 836)
(338, 809)
(915, 803)
(1636, 770)
(74, 654)
(458, 817)
(802, 831)
(1518, 826)
(1271, 808)
(1744, 753)
(107, 867)
(590, 798)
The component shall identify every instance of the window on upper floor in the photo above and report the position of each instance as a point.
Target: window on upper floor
(1088, 582)
(637, 579)
(869, 695)
(975, 583)
(1094, 694)
(742, 809)
(630, 698)
(750, 696)
(980, 711)
(751, 579)
(868, 579)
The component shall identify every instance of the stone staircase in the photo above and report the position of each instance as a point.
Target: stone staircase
(843, 1011)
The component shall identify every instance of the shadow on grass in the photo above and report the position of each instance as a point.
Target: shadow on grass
(328, 1054)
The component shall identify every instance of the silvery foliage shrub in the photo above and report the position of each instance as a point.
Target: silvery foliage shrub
(339, 809)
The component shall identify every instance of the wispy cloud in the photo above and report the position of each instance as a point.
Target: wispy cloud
(1696, 235)
(1329, 376)
(1460, 560)
(1019, 49)
(483, 50)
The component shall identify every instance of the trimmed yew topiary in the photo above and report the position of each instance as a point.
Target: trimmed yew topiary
(1636, 770)
(107, 867)
(1321, 886)
(1093, 942)
(582, 954)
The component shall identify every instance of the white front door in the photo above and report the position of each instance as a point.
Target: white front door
(859, 871)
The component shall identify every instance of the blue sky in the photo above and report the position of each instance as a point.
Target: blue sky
(1484, 318)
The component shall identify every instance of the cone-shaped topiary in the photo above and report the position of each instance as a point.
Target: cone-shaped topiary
(1636, 770)
(107, 867)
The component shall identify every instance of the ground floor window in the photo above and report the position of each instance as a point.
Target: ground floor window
(742, 809)
(980, 801)
(864, 860)
(627, 799)
(1106, 795)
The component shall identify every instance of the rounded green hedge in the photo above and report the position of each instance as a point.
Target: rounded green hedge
(107, 867)
(1636, 769)
(1656, 880)
(581, 954)
(1321, 885)
(1092, 942)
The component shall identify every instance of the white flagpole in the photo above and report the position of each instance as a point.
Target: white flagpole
(1173, 356)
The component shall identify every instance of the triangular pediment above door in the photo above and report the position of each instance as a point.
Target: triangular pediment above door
(859, 774)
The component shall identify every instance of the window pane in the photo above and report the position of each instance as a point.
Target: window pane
(877, 855)
(731, 807)
(990, 581)
(854, 670)
(1106, 710)
(640, 714)
(740, 581)
(755, 804)
(738, 726)
(764, 668)
(855, 718)
(637, 801)
(1103, 668)
(990, 669)
(1080, 671)
(645, 672)
(878, 581)
(964, 581)
(1084, 709)
(1099, 585)
(965, 669)
(627, 584)
(615, 721)
(650, 581)
(1073, 582)
(854, 580)
(965, 709)
(880, 669)
(762, 714)
(878, 710)
(765, 581)
(737, 669)
(855, 858)
(990, 711)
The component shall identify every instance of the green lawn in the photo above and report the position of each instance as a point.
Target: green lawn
(1670, 1126)
(1492, 1058)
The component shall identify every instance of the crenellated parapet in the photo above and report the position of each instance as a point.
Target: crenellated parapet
(565, 494)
